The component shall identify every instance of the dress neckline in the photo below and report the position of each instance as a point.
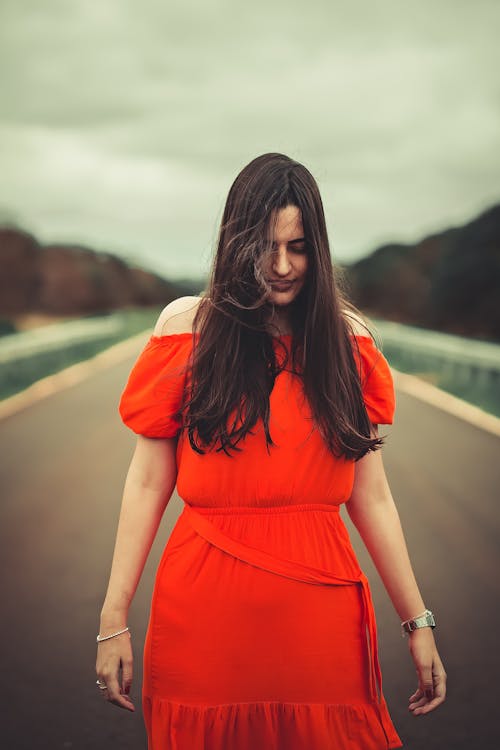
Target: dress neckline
(190, 334)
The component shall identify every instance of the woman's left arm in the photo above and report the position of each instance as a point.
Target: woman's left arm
(372, 510)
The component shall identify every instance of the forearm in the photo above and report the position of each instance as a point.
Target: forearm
(141, 511)
(379, 525)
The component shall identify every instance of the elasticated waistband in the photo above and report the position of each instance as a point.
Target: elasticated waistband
(242, 509)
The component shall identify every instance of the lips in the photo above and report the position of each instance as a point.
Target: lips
(282, 285)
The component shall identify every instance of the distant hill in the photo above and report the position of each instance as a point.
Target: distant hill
(65, 280)
(449, 281)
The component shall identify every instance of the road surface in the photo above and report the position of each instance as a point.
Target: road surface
(62, 466)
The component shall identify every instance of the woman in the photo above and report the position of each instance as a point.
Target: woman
(261, 400)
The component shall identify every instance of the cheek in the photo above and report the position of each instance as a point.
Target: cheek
(302, 268)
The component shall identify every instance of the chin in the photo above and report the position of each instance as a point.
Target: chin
(284, 298)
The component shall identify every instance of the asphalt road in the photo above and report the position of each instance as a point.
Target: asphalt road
(62, 466)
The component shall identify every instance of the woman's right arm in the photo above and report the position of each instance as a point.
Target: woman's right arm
(149, 484)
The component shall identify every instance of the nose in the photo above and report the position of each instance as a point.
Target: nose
(281, 261)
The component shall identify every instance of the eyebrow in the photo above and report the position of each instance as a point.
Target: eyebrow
(293, 242)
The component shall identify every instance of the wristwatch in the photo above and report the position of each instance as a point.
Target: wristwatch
(424, 620)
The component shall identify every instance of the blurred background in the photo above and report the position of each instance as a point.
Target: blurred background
(122, 127)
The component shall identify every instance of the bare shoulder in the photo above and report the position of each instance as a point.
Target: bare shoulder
(177, 316)
(355, 323)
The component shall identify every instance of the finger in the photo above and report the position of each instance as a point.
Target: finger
(115, 696)
(439, 698)
(102, 687)
(430, 706)
(416, 695)
(127, 674)
(418, 703)
(426, 681)
(439, 675)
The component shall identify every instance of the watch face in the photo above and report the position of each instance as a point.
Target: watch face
(429, 617)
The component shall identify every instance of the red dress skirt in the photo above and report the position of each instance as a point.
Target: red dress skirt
(262, 631)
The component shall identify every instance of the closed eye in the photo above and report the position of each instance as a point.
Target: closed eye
(297, 246)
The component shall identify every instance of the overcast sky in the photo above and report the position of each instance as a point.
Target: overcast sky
(124, 123)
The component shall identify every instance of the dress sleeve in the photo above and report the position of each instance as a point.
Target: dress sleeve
(376, 382)
(151, 402)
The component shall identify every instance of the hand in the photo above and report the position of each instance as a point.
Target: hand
(431, 690)
(111, 655)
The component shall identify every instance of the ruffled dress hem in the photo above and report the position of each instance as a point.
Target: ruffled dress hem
(272, 725)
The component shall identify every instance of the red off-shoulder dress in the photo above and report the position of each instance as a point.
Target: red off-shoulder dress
(262, 632)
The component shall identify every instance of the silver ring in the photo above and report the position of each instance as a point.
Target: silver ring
(101, 687)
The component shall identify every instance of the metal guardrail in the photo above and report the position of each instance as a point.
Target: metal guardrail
(27, 356)
(465, 367)
(57, 336)
(462, 351)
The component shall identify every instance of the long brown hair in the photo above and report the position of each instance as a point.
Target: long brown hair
(234, 365)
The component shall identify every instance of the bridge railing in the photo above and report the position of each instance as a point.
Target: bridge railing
(467, 368)
(27, 356)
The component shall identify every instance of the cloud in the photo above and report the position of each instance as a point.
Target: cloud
(125, 125)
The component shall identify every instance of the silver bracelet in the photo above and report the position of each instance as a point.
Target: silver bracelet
(105, 637)
(426, 619)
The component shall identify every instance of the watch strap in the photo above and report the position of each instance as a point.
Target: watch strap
(426, 619)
